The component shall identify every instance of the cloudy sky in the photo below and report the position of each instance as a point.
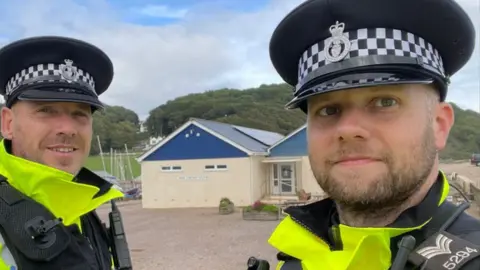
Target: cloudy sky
(163, 49)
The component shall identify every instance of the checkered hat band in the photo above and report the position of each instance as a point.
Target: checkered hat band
(375, 41)
(48, 73)
(349, 83)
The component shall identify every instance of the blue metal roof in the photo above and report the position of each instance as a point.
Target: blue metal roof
(254, 140)
(266, 137)
(295, 144)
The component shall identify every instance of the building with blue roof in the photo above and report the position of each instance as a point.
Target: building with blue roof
(203, 161)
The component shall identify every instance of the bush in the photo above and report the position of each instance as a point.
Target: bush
(225, 201)
(261, 207)
(270, 208)
(226, 206)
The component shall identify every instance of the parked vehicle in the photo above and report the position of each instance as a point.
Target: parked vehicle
(475, 159)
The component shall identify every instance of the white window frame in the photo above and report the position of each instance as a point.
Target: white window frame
(173, 168)
(215, 168)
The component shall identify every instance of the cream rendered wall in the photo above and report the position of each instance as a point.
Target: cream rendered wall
(309, 184)
(260, 179)
(194, 186)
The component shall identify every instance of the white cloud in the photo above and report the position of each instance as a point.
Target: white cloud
(162, 11)
(465, 87)
(208, 49)
(154, 64)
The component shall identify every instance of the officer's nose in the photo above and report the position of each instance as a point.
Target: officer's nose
(352, 125)
(65, 124)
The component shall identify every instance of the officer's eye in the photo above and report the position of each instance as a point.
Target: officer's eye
(329, 110)
(385, 102)
(46, 110)
(80, 114)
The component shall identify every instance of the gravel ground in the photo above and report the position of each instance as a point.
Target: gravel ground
(196, 239)
(467, 170)
(464, 169)
(193, 239)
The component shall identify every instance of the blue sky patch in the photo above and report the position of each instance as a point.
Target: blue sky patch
(155, 12)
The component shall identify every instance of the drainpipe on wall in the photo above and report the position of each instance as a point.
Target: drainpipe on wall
(251, 180)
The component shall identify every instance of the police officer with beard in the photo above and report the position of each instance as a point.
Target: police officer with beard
(372, 77)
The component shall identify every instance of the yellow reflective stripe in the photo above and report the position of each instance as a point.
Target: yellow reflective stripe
(279, 265)
(446, 188)
(7, 256)
(6, 261)
(3, 266)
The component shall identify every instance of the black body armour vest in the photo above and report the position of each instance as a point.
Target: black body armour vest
(38, 240)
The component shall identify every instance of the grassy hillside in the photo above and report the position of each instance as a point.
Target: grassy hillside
(464, 138)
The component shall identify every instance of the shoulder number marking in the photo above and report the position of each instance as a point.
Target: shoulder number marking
(458, 257)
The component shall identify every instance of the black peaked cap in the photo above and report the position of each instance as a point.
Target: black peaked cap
(54, 68)
(442, 23)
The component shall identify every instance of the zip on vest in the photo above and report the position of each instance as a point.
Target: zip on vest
(333, 232)
(90, 236)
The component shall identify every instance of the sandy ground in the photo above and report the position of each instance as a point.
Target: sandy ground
(196, 239)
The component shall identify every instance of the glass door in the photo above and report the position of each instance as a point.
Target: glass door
(283, 179)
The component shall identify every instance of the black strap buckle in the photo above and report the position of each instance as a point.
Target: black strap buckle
(41, 231)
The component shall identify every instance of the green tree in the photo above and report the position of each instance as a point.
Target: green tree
(115, 126)
(261, 107)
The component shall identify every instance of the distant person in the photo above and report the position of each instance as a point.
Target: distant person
(47, 198)
(372, 77)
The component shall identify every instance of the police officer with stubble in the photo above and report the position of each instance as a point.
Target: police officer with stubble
(372, 77)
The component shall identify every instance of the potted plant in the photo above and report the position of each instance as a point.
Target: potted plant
(226, 206)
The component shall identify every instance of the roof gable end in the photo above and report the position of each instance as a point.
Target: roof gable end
(207, 128)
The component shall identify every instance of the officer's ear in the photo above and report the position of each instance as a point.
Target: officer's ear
(6, 122)
(443, 120)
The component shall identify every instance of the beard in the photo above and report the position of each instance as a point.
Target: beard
(357, 191)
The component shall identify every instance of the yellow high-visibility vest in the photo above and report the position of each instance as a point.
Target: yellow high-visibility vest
(52, 188)
(363, 248)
